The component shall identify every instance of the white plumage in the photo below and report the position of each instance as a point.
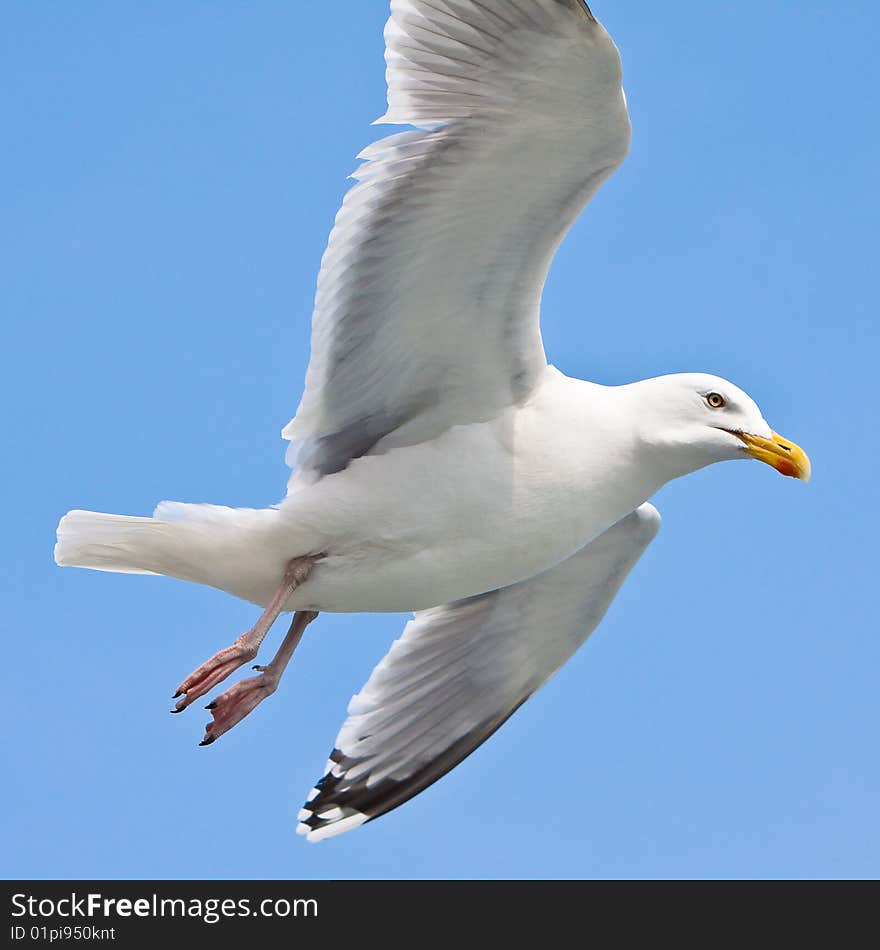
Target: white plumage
(427, 312)
(437, 458)
(459, 671)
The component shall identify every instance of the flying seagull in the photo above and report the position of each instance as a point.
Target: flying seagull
(440, 464)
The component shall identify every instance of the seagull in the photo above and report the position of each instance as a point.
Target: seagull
(440, 464)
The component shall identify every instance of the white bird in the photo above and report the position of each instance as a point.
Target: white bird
(440, 464)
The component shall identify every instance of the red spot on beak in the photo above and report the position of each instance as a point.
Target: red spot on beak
(784, 467)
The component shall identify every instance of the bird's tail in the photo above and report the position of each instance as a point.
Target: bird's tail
(205, 544)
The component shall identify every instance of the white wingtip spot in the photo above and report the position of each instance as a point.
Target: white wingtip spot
(304, 814)
(335, 827)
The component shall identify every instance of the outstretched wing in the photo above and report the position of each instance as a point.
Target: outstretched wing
(427, 307)
(458, 672)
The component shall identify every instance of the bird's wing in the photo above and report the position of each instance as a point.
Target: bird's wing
(427, 306)
(458, 672)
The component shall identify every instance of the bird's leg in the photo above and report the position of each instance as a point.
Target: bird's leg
(245, 648)
(231, 707)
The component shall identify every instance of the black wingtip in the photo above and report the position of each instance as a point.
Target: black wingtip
(373, 801)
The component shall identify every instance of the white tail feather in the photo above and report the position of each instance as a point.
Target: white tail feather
(228, 548)
(108, 542)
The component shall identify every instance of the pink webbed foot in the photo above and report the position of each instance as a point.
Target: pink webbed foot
(214, 671)
(229, 708)
(245, 648)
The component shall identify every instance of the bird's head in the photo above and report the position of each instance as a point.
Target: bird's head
(699, 419)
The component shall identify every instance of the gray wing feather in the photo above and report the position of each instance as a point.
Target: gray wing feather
(459, 672)
(427, 307)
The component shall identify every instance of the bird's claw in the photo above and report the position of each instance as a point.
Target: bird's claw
(212, 672)
(229, 708)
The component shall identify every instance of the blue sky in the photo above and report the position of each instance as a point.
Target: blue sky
(170, 174)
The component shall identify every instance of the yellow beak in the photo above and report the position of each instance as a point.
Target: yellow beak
(786, 457)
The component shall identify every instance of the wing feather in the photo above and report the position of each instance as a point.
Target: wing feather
(427, 307)
(459, 672)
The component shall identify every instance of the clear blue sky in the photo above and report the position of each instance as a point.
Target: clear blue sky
(170, 172)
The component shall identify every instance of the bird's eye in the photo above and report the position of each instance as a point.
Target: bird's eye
(716, 400)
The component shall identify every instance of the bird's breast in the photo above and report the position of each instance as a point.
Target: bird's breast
(480, 507)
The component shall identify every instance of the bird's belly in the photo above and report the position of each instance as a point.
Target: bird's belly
(375, 579)
(451, 519)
